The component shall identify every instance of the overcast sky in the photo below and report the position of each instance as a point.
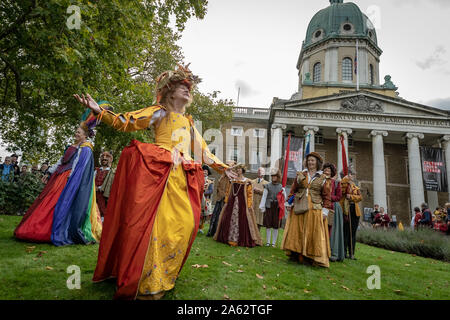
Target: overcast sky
(255, 44)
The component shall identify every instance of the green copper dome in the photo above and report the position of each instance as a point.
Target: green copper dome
(339, 20)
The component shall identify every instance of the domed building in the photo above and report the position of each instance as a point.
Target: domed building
(340, 52)
(341, 103)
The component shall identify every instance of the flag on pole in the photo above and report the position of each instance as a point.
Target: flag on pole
(344, 156)
(307, 141)
(280, 195)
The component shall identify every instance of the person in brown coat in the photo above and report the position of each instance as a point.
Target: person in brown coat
(306, 237)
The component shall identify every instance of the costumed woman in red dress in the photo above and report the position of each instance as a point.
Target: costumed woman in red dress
(154, 208)
(66, 211)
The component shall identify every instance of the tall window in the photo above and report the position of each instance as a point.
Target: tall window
(347, 69)
(371, 76)
(317, 72)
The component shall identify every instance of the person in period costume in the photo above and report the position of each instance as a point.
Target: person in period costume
(270, 208)
(206, 198)
(335, 217)
(222, 188)
(66, 211)
(258, 189)
(237, 221)
(351, 196)
(306, 239)
(104, 177)
(153, 213)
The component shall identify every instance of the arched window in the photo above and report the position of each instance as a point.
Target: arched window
(371, 75)
(347, 69)
(317, 72)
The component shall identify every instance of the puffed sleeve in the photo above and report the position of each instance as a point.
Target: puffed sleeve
(129, 121)
(356, 195)
(249, 195)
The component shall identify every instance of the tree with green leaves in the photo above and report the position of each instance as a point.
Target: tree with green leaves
(114, 50)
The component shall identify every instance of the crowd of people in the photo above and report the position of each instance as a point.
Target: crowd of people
(11, 170)
(439, 220)
(149, 210)
(322, 212)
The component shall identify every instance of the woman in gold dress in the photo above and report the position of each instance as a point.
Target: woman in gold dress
(154, 208)
(306, 237)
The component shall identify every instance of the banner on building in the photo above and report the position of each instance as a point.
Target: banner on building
(295, 155)
(433, 169)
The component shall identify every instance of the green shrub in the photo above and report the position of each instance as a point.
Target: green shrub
(17, 197)
(423, 242)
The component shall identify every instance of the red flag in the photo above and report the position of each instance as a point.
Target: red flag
(344, 156)
(280, 195)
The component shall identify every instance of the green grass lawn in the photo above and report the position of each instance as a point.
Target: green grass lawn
(261, 273)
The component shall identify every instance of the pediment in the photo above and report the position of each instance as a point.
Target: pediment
(367, 103)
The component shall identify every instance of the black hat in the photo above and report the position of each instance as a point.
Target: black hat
(205, 167)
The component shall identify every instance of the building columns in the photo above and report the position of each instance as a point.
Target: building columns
(445, 141)
(415, 170)
(379, 170)
(344, 132)
(311, 131)
(276, 146)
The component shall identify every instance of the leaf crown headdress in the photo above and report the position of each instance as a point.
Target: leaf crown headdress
(182, 74)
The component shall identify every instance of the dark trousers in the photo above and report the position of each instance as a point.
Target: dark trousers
(350, 226)
(215, 218)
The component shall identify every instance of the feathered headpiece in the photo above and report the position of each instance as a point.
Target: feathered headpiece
(89, 119)
(180, 75)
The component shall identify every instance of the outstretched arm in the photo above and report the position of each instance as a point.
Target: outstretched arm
(207, 157)
(126, 122)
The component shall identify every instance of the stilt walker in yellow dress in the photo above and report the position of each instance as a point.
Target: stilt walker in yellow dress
(154, 208)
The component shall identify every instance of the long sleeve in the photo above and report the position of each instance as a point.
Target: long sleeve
(249, 190)
(337, 194)
(262, 204)
(295, 184)
(129, 121)
(227, 195)
(356, 197)
(53, 168)
(210, 189)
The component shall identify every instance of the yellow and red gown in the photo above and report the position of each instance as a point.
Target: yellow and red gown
(154, 208)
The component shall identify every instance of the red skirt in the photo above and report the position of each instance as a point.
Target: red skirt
(36, 225)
